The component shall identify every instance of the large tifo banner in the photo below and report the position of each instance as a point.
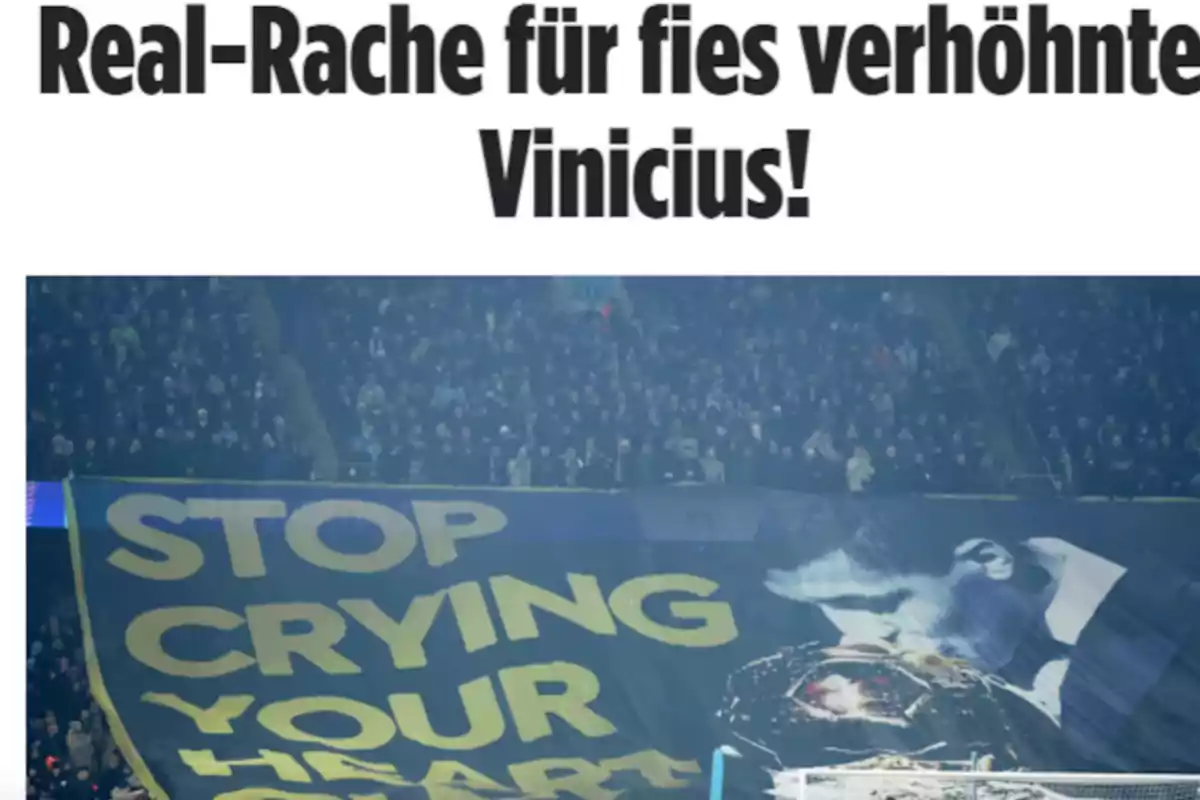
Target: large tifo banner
(288, 642)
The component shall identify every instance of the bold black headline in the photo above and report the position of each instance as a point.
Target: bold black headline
(550, 51)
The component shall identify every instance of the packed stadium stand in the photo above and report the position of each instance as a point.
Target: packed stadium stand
(1051, 388)
(160, 377)
(1104, 374)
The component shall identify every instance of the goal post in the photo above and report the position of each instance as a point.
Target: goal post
(849, 784)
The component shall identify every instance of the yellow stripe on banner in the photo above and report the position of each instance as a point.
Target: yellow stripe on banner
(1005, 498)
(347, 485)
(1166, 499)
(95, 679)
(1000, 498)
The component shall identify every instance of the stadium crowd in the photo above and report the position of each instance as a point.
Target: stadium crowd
(811, 384)
(491, 382)
(828, 384)
(1105, 373)
(149, 377)
(72, 754)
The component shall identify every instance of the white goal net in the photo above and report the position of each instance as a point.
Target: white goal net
(833, 784)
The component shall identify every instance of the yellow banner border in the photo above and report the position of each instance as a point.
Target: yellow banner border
(1004, 498)
(95, 679)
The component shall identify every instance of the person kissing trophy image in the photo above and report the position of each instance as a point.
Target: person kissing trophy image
(953, 652)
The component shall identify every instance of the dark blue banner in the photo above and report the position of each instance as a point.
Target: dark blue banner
(287, 642)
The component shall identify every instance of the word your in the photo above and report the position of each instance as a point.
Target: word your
(534, 694)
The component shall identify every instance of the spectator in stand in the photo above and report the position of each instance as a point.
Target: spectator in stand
(859, 469)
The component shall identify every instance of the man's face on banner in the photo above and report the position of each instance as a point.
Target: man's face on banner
(968, 611)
